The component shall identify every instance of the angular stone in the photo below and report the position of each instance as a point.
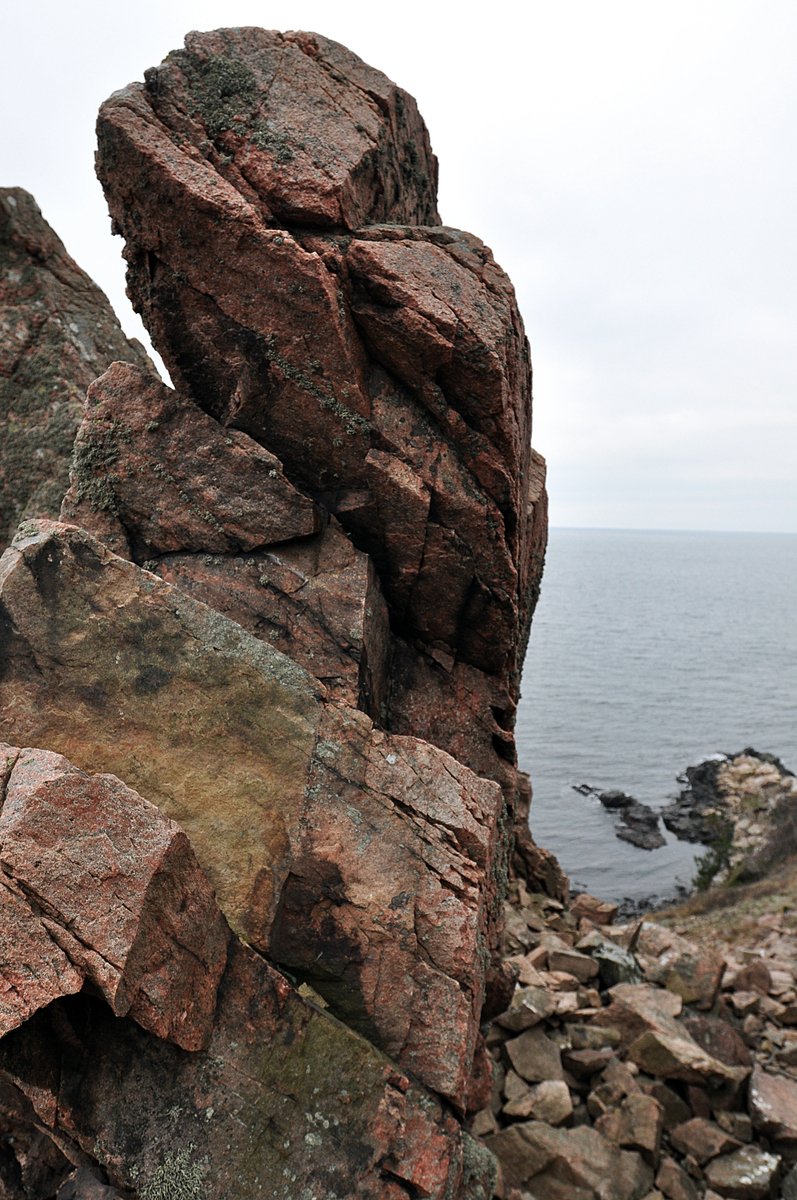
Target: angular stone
(581, 966)
(599, 912)
(674, 1182)
(57, 333)
(568, 1162)
(702, 1139)
(228, 736)
(283, 1094)
(636, 1125)
(638, 1007)
(529, 1006)
(720, 1039)
(549, 1101)
(679, 1057)
(535, 1057)
(772, 1101)
(693, 972)
(115, 889)
(174, 477)
(747, 1174)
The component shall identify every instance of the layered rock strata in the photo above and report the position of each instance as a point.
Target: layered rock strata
(57, 333)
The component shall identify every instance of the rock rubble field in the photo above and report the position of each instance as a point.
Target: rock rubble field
(273, 924)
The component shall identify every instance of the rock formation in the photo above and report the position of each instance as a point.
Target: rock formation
(57, 333)
(271, 654)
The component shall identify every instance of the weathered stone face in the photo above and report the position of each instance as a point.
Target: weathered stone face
(361, 860)
(388, 371)
(57, 333)
(98, 885)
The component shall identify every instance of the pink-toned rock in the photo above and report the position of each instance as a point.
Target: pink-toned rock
(599, 912)
(670, 1056)
(317, 600)
(772, 1101)
(535, 1056)
(674, 1182)
(568, 1162)
(747, 1174)
(693, 972)
(372, 871)
(57, 332)
(102, 887)
(283, 1093)
(636, 1125)
(174, 477)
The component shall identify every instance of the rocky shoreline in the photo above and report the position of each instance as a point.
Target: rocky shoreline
(634, 1062)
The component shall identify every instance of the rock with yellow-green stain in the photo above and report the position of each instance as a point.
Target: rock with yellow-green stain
(361, 860)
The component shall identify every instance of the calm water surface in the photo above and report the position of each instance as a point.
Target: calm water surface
(649, 652)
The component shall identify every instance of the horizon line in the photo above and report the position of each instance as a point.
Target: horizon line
(669, 529)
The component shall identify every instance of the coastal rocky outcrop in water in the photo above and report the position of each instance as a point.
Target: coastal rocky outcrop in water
(57, 333)
(258, 684)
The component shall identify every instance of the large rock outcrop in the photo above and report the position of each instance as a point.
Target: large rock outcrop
(277, 199)
(286, 603)
(57, 333)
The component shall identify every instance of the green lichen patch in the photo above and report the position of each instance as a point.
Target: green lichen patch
(95, 455)
(226, 97)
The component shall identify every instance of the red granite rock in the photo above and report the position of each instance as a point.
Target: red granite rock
(100, 886)
(772, 1101)
(283, 1095)
(378, 355)
(174, 477)
(317, 600)
(362, 860)
(57, 333)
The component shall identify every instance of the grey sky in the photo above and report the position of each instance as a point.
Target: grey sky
(632, 165)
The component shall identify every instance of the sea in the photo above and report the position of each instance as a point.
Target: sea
(649, 652)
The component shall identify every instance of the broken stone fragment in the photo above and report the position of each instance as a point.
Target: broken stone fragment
(568, 1162)
(671, 1056)
(702, 1139)
(535, 1056)
(772, 1101)
(99, 886)
(57, 333)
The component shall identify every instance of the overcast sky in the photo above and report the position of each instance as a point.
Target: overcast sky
(632, 165)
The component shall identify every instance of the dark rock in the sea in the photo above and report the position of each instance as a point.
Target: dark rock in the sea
(57, 333)
(639, 822)
(614, 799)
(693, 816)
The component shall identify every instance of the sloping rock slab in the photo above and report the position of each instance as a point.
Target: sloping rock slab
(284, 1102)
(365, 860)
(57, 333)
(98, 885)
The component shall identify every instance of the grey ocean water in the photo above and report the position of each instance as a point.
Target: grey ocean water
(649, 652)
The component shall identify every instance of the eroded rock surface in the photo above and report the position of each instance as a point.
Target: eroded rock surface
(363, 860)
(285, 251)
(57, 333)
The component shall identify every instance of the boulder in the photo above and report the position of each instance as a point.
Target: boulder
(57, 333)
